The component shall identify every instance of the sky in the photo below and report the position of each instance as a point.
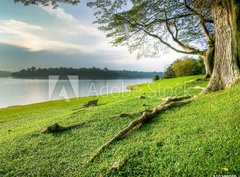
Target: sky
(64, 37)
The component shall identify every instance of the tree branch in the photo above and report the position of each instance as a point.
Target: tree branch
(196, 52)
(202, 21)
(142, 28)
(175, 39)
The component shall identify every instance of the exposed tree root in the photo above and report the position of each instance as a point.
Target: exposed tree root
(57, 128)
(142, 97)
(197, 80)
(169, 102)
(197, 88)
(91, 103)
(214, 86)
(208, 90)
(124, 115)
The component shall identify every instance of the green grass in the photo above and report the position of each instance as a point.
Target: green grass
(198, 139)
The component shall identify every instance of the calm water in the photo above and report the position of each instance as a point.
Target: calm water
(26, 91)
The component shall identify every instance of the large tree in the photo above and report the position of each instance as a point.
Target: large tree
(148, 24)
(226, 15)
(169, 22)
(146, 17)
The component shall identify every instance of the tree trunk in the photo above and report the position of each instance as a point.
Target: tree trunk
(226, 70)
(208, 59)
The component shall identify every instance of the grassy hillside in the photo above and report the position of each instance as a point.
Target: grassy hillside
(198, 139)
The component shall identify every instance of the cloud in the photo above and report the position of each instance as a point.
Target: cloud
(70, 37)
(26, 35)
(74, 26)
(19, 25)
(59, 13)
(22, 34)
(16, 58)
(54, 37)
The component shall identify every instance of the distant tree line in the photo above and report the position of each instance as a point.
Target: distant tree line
(5, 74)
(185, 67)
(82, 73)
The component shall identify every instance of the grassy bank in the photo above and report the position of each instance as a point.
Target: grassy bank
(199, 139)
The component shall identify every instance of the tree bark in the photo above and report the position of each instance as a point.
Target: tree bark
(226, 70)
(208, 59)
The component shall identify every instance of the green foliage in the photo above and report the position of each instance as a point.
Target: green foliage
(119, 40)
(169, 73)
(82, 73)
(156, 78)
(148, 26)
(185, 67)
(199, 139)
(5, 74)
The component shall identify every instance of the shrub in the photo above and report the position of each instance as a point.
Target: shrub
(156, 78)
(185, 67)
(169, 73)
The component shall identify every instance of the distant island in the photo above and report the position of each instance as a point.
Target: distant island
(82, 73)
(5, 74)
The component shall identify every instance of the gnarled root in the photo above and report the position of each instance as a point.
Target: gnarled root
(197, 88)
(169, 102)
(57, 128)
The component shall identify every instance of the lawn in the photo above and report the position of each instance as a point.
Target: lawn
(198, 139)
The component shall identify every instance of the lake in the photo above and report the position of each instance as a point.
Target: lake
(27, 91)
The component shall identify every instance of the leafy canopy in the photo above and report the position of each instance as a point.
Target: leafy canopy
(187, 67)
(152, 25)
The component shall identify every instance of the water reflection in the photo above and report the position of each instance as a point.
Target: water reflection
(27, 91)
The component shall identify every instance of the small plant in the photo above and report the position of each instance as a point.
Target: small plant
(156, 78)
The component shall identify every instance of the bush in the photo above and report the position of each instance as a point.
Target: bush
(185, 67)
(169, 73)
(156, 78)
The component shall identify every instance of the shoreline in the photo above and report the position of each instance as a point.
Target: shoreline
(68, 100)
(123, 88)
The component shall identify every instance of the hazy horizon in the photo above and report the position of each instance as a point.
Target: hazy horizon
(80, 68)
(64, 37)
